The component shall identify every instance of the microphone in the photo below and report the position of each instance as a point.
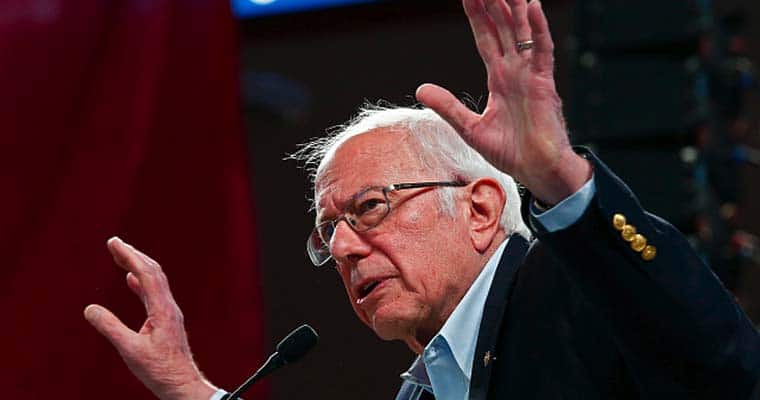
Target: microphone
(289, 350)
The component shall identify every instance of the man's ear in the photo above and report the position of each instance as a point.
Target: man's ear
(486, 202)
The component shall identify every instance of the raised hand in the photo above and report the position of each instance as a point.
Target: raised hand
(521, 131)
(159, 354)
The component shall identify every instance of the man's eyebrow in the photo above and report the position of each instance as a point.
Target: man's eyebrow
(322, 216)
(343, 204)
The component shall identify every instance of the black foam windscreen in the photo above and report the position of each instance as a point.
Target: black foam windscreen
(297, 343)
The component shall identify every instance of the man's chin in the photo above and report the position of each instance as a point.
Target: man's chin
(386, 331)
(389, 324)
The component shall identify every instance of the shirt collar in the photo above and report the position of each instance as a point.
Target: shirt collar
(417, 374)
(461, 329)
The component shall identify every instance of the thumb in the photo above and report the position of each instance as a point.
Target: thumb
(108, 325)
(445, 104)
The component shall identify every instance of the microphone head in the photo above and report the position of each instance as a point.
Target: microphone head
(297, 343)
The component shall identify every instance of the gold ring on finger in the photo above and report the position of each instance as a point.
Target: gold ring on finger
(524, 45)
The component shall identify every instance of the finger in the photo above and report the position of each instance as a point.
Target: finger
(445, 104)
(157, 297)
(134, 285)
(502, 18)
(543, 46)
(109, 326)
(483, 30)
(520, 19)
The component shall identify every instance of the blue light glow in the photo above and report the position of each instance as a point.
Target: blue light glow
(255, 8)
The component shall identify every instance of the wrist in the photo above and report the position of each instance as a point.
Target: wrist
(203, 390)
(200, 389)
(568, 175)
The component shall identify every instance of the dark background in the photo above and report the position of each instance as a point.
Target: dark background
(125, 117)
(327, 64)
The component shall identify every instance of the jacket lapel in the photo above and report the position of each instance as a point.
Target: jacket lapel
(493, 313)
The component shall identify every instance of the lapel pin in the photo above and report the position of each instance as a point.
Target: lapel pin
(487, 358)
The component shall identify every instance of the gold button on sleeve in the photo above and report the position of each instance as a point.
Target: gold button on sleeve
(618, 221)
(628, 232)
(649, 253)
(638, 243)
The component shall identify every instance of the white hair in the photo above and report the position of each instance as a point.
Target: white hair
(439, 146)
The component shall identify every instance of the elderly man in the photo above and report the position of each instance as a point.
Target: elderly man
(418, 211)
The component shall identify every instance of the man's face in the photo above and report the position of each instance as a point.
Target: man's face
(405, 276)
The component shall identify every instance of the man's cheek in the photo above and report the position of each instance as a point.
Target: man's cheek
(411, 237)
(415, 219)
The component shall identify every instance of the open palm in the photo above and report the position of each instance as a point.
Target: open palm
(521, 131)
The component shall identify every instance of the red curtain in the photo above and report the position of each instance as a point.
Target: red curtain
(120, 117)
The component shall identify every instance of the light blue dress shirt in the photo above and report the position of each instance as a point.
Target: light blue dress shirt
(445, 366)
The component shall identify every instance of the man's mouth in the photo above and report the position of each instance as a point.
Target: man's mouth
(368, 287)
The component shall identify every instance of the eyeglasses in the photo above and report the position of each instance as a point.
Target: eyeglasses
(366, 210)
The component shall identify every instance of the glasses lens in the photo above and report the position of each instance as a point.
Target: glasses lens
(325, 231)
(369, 209)
(318, 249)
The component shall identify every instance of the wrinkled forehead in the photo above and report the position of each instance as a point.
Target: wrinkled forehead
(376, 158)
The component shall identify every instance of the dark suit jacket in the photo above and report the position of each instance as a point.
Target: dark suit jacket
(579, 314)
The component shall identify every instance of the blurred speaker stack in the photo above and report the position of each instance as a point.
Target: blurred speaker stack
(659, 92)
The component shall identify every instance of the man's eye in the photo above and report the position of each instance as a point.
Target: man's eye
(371, 205)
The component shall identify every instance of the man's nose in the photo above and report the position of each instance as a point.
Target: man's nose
(347, 245)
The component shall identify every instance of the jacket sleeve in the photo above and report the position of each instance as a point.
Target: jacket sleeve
(678, 328)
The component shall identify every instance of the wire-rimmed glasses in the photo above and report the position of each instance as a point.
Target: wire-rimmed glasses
(366, 210)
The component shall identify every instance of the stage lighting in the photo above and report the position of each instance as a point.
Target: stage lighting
(257, 8)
